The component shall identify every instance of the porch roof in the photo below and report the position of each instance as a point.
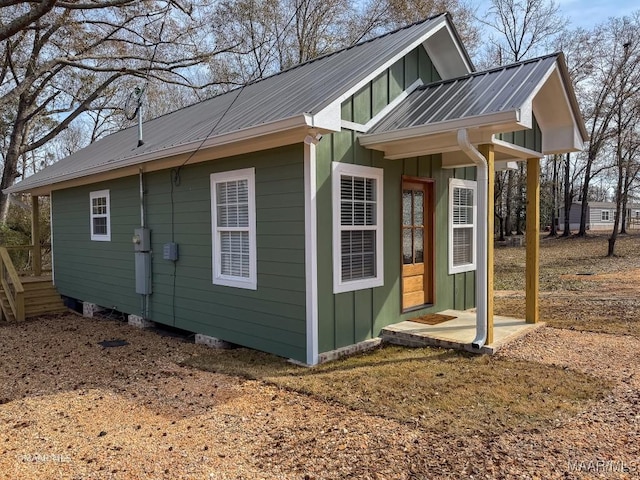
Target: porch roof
(499, 100)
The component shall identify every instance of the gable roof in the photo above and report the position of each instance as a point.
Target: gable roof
(489, 92)
(499, 100)
(292, 98)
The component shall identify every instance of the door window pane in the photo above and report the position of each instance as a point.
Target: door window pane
(407, 248)
(418, 242)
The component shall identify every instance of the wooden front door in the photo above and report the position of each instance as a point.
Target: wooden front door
(417, 242)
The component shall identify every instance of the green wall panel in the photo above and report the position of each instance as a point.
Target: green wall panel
(351, 317)
(411, 68)
(396, 79)
(378, 93)
(362, 105)
(530, 138)
(271, 318)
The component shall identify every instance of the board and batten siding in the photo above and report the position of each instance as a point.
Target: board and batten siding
(367, 102)
(271, 318)
(351, 317)
(530, 138)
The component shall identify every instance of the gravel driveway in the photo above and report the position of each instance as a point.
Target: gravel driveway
(70, 408)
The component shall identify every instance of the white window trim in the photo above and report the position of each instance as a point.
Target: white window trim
(339, 169)
(94, 236)
(251, 282)
(602, 215)
(457, 183)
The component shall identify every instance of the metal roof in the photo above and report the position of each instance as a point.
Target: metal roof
(489, 92)
(303, 89)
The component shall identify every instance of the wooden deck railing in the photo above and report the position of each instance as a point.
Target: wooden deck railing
(35, 262)
(11, 285)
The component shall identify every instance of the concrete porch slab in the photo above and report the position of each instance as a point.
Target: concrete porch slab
(457, 333)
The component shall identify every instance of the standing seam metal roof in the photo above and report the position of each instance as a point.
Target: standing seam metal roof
(482, 93)
(304, 89)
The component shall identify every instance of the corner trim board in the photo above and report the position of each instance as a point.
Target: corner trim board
(311, 252)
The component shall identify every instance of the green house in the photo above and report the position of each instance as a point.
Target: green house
(304, 212)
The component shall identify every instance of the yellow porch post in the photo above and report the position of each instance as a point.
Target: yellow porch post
(35, 236)
(487, 152)
(533, 240)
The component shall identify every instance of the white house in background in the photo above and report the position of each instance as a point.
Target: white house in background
(600, 216)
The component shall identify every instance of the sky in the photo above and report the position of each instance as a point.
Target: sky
(587, 13)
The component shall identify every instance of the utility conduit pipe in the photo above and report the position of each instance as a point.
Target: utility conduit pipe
(482, 178)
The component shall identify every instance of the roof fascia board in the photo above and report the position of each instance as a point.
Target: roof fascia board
(359, 127)
(571, 94)
(234, 143)
(561, 140)
(559, 69)
(458, 47)
(130, 166)
(511, 117)
(516, 151)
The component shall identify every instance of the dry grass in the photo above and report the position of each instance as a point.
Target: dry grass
(566, 256)
(581, 289)
(423, 386)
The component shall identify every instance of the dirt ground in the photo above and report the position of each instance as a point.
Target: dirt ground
(71, 409)
(580, 288)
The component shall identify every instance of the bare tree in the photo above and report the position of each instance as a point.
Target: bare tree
(599, 98)
(65, 62)
(627, 114)
(18, 15)
(397, 13)
(522, 29)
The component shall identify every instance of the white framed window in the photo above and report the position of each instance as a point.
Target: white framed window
(604, 215)
(100, 215)
(357, 227)
(233, 222)
(462, 225)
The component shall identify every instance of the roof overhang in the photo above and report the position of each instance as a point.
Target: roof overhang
(445, 49)
(285, 132)
(552, 102)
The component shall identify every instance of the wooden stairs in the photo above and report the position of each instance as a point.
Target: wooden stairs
(40, 298)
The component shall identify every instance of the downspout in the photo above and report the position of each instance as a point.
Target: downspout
(482, 236)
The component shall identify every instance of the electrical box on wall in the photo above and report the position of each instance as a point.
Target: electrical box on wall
(142, 240)
(143, 273)
(170, 251)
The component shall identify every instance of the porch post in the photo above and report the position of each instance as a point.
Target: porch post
(35, 236)
(488, 153)
(533, 240)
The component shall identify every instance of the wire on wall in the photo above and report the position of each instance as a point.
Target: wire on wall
(175, 172)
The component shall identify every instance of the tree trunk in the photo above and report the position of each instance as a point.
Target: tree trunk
(520, 198)
(10, 168)
(616, 218)
(625, 199)
(507, 201)
(582, 232)
(567, 196)
(553, 229)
